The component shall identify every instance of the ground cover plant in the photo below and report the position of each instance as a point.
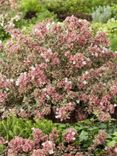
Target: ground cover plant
(42, 137)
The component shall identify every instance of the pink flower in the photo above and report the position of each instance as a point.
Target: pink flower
(66, 84)
(4, 82)
(40, 30)
(50, 93)
(48, 147)
(27, 145)
(38, 152)
(100, 138)
(70, 135)
(78, 60)
(101, 38)
(63, 113)
(103, 116)
(37, 135)
(16, 144)
(50, 57)
(38, 76)
(11, 152)
(22, 81)
(13, 48)
(3, 97)
(54, 135)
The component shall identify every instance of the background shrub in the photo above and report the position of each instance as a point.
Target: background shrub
(75, 6)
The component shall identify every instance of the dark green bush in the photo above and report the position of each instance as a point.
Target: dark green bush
(30, 6)
(3, 34)
(31, 12)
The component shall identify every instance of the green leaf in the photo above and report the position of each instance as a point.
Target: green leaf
(111, 143)
(83, 136)
(115, 133)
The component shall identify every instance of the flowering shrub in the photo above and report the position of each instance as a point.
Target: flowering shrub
(41, 144)
(61, 70)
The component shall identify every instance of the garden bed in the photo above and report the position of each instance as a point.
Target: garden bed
(58, 79)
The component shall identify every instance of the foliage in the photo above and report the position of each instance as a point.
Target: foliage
(114, 10)
(29, 23)
(112, 140)
(33, 9)
(114, 42)
(30, 6)
(3, 34)
(89, 133)
(110, 28)
(102, 14)
(14, 126)
(61, 71)
(75, 6)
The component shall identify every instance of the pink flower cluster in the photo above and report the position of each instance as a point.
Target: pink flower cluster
(63, 113)
(19, 144)
(70, 135)
(40, 145)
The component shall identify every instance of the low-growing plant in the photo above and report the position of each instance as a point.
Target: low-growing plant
(26, 137)
(3, 34)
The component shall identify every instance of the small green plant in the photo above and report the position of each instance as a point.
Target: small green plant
(114, 10)
(110, 28)
(3, 34)
(102, 14)
(88, 132)
(114, 42)
(112, 140)
(15, 127)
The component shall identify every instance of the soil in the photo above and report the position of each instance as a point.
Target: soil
(30, 15)
(62, 16)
